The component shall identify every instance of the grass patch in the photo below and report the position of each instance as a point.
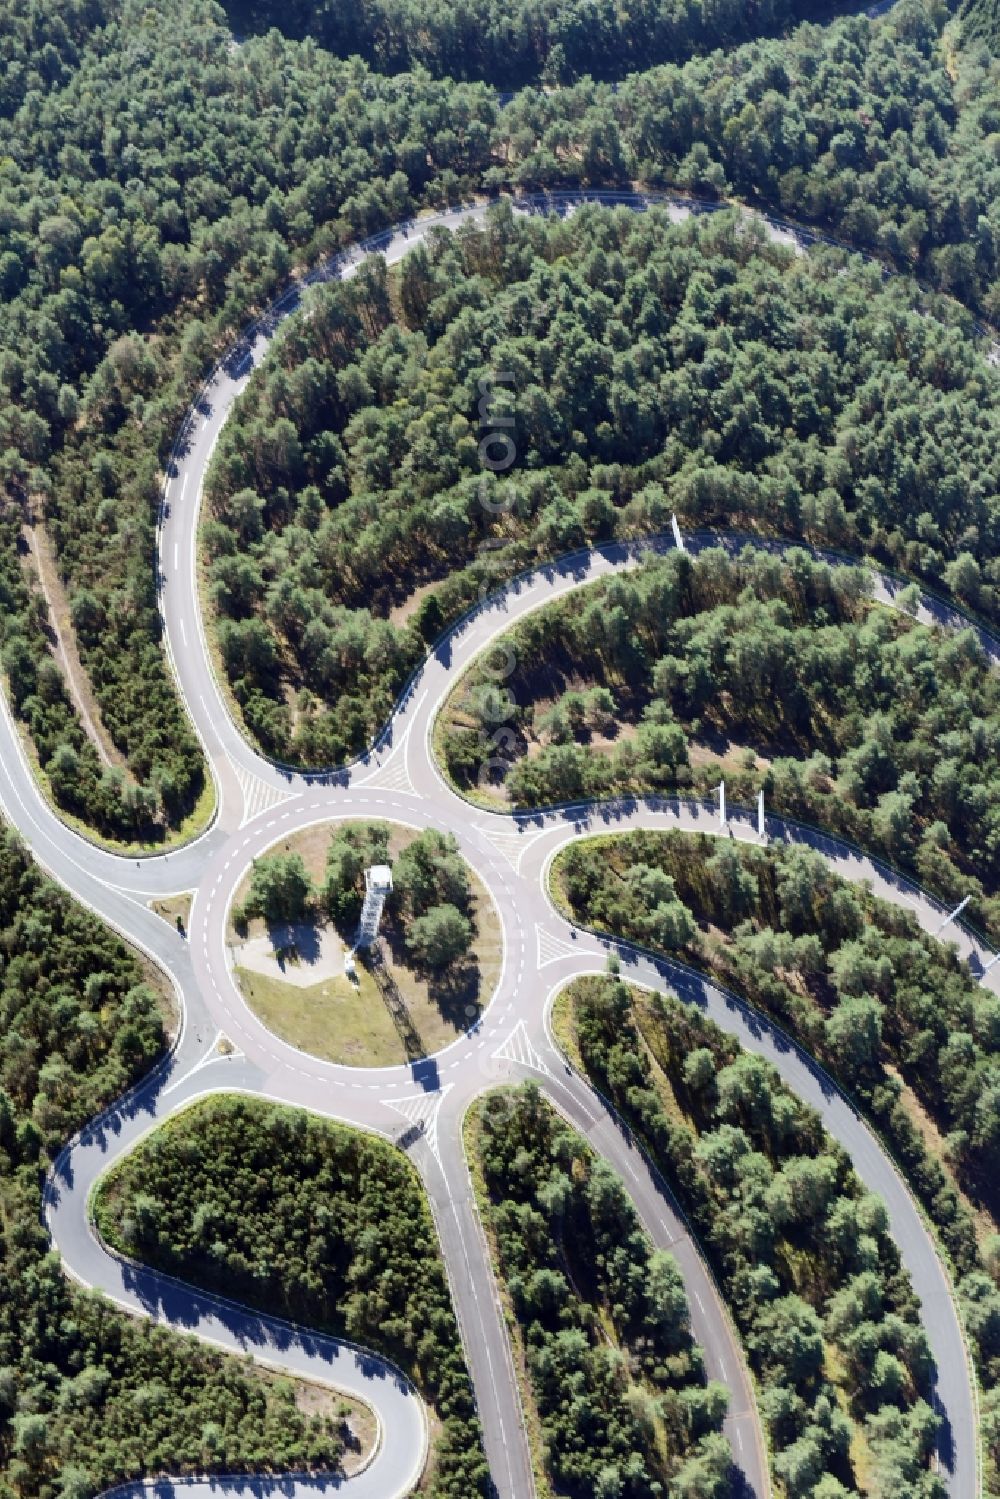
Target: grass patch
(175, 909)
(335, 1020)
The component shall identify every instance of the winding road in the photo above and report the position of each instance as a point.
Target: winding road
(260, 803)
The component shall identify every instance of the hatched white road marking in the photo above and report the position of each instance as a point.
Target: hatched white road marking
(258, 796)
(518, 1048)
(510, 845)
(551, 949)
(395, 774)
(422, 1110)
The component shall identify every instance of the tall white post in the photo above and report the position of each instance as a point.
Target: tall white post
(722, 804)
(952, 914)
(678, 538)
(761, 829)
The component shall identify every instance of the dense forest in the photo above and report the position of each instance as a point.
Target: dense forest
(980, 23)
(157, 189)
(635, 367)
(137, 232)
(162, 180)
(880, 132)
(89, 1397)
(351, 478)
(603, 1328)
(893, 1014)
(802, 1252)
(555, 40)
(776, 674)
(312, 1221)
(113, 805)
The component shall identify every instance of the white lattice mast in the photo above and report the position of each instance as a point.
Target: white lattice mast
(378, 884)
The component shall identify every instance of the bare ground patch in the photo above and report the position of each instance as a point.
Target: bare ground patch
(39, 559)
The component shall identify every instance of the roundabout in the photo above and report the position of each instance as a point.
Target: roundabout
(305, 974)
(261, 805)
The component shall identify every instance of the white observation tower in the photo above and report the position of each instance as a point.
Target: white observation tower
(378, 884)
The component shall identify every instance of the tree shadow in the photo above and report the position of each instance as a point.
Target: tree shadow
(374, 960)
(456, 993)
(294, 942)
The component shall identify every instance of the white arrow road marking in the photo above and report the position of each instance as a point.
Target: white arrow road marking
(214, 1055)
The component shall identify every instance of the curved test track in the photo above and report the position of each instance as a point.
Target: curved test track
(260, 803)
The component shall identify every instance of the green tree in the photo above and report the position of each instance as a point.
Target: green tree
(439, 937)
(280, 889)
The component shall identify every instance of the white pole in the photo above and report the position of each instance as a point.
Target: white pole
(761, 829)
(722, 804)
(678, 538)
(952, 914)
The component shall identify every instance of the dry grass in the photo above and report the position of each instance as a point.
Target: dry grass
(41, 563)
(356, 1422)
(400, 614)
(983, 1220)
(335, 1020)
(175, 907)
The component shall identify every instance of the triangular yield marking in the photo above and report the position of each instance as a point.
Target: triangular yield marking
(551, 949)
(422, 1110)
(258, 796)
(518, 1048)
(510, 845)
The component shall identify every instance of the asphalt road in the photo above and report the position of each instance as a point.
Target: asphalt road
(259, 804)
